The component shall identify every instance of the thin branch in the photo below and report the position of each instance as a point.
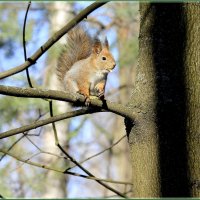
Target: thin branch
(75, 162)
(90, 174)
(101, 152)
(11, 146)
(38, 148)
(97, 105)
(27, 161)
(45, 122)
(34, 155)
(32, 60)
(30, 162)
(19, 139)
(116, 108)
(53, 124)
(42, 152)
(24, 43)
(99, 179)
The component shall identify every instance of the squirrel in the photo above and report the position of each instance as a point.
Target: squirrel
(84, 64)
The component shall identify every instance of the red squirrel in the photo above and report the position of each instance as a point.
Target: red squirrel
(84, 64)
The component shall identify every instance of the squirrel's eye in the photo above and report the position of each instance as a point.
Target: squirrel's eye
(103, 58)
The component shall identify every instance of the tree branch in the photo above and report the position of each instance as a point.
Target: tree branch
(101, 152)
(88, 173)
(30, 61)
(24, 43)
(104, 105)
(40, 123)
(28, 161)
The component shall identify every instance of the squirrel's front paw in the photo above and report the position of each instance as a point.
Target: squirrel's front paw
(101, 95)
(87, 101)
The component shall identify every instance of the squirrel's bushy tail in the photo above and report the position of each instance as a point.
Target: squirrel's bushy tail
(78, 47)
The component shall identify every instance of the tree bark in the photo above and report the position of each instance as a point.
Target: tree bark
(165, 138)
(192, 80)
(143, 138)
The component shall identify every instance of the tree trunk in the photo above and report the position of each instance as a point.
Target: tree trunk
(143, 138)
(192, 79)
(165, 138)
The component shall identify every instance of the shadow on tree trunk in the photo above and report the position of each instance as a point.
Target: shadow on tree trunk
(169, 36)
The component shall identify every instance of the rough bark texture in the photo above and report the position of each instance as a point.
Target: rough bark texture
(143, 138)
(192, 74)
(166, 95)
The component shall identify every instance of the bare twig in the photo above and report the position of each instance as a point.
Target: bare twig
(99, 179)
(19, 139)
(30, 61)
(11, 146)
(24, 43)
(90, 174)
(75, 162)
(27, 161)
(101, 152)
(53, 124)
(45, 122)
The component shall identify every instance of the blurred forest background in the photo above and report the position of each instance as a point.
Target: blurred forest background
(82, 136)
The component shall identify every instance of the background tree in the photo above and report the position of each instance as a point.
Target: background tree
(57, 14)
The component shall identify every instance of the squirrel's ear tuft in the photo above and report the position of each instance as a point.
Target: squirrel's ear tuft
(106, 43)
(97, 47)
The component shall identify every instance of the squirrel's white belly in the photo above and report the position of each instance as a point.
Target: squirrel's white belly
(77, 71)
(98, 76)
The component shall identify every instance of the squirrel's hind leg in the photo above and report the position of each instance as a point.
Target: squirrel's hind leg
(84, 90)
(72, 86)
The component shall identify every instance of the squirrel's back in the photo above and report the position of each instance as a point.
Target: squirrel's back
(78, 47)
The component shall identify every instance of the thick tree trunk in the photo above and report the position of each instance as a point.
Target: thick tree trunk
(165, 138)
(143, 138)
(192, 79)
